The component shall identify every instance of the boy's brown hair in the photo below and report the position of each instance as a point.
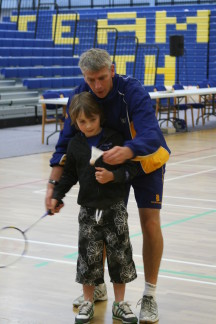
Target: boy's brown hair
(84, 103)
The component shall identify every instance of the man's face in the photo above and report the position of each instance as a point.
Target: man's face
(100, 82)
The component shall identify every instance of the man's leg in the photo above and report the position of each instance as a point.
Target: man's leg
(152, 254)
(152, 242)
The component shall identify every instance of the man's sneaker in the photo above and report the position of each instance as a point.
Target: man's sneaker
(149, 310)
(100, 294)
(86, 313)
(122, 312)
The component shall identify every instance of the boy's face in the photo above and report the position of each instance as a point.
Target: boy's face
(100, 82)
(89, 126)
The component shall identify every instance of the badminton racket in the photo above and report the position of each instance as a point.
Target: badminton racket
(14, 242)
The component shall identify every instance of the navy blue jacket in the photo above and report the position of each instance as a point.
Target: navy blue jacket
(128, 109)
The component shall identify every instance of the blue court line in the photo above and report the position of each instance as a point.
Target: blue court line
(41, 264)
(183, 273)
(72, 256)
(183, 220)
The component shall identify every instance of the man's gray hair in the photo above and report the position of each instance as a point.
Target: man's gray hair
(94, 60)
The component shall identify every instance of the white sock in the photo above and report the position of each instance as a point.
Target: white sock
(150, 290)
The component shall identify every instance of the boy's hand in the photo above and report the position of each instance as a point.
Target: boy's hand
(56, 206)
(103, 175)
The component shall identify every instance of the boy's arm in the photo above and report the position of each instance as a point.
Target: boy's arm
(126, 172)
(55, 175)
(69, 176)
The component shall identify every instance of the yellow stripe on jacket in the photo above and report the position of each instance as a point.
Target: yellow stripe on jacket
(153, 161)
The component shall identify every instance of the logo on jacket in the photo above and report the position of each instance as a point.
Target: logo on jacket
(123, 120)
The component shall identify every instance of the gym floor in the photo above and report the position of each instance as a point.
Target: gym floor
(41, 287)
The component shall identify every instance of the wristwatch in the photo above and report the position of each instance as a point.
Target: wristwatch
(54, 182)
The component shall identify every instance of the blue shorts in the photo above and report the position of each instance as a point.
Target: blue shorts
(148, 189)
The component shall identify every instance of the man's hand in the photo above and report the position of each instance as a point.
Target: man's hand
(103, 176)
(117, 155)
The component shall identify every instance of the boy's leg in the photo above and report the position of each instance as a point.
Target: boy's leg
(87, 263)
(119, 292)
(88, 292)
(120, 260)
(100, 292)
(86, 309)
(121, 310)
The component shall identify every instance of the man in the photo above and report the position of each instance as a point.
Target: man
(127, 108)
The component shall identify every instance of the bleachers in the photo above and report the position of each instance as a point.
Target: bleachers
(18, 103)
(49, 58)
(50, 83)
(35, 51)
(27, 61)
(31, 72)
(16, 34)
(25, 42)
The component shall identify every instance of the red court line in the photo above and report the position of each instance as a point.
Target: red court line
(22, 184)
(188, 153)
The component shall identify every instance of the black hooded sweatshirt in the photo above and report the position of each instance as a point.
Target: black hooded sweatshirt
(77, 168)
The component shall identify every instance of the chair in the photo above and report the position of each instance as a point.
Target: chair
(56, 116)
(205, 101)
(183, 106)
(165, 107)
(212, 84)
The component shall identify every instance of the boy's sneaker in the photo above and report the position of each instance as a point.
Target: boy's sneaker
(86, 313)
(149, 310)
(122, 312)
(100, 294)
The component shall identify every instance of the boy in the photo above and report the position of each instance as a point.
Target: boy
(103, 215)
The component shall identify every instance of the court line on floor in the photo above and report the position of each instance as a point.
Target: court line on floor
(189, 160)
(189, 198)
(43, 191)
(131, 200)
(23, 184)
(47, 260)
(179, 221)
(181, 206)
(183, 262)
(190, 175)
(70, 256)
(168, 164)
(138, 234)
